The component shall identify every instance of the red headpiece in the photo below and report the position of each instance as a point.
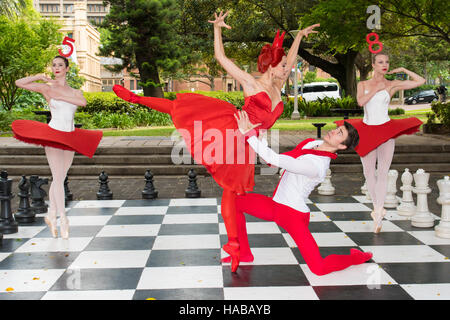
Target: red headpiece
(271, 54)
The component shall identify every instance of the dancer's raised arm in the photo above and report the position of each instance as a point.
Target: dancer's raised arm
(244, 78)
(416, 80)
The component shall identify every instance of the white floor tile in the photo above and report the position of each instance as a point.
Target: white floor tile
(317, 216)
(28, 280)
(362, 199)
(129, 230)
(181, 277)
(270, 293)
(338, 207)
(187, 242)
(429, 237)
(369, 274)
(87, 220)
(136, 211)
(99, 204)
(111, 259)
(435, 291)
(269, 256)
(193, 202)
(24, 232)
(55, 244)
(365, 226)
(404, 253)
(89, 295)
(255, 228)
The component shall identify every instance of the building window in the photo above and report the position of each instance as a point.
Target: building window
(131, 84)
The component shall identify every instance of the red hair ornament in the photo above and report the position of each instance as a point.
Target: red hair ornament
(271, 55)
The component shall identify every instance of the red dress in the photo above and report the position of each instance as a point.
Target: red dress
(60, 132)
(204, 123)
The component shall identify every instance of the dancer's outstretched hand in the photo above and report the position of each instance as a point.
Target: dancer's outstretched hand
(244, 123)
(396, 70)
(310, 29)
(220, 20)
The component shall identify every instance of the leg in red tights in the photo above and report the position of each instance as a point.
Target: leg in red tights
(228, 209)
(296, 224)
(158, 104)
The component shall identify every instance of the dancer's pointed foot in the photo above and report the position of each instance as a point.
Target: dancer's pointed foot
(379, 220)
(359, 256)
(232, 248)
(64, 227)
(51, 222)
(242, 258)
(125, 94)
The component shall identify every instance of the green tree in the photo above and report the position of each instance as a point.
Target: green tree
(27, 45)
(143, 35)
(12, 8)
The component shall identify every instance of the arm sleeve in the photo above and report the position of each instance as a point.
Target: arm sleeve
(305, 167)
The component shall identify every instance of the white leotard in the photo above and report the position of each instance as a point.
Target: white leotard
(376, 109)
(62, 115)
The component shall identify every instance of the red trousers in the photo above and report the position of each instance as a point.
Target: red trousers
(296, 224)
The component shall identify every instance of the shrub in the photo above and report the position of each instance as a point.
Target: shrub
(396, 111)
(442, 112)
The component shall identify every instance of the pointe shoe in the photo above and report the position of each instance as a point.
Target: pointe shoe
(125, 94)
(51, 222)
(64, 227)
(379, 220)
(232, 248)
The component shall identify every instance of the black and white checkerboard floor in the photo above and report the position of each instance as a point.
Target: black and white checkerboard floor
(171, 249)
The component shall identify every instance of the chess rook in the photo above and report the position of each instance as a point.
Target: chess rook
(391, 199)
(407, 206)
(442, 230)
(422, 218)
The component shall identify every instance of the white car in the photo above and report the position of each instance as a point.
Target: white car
(319, 90)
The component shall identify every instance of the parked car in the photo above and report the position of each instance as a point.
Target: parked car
(422, 97)
(319, 90)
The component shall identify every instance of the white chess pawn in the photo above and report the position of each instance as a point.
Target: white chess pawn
(443, 228)
(406, 207)
(391, 200)
(326, 188)
(422, 218)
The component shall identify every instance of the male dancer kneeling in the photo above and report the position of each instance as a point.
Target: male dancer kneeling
(305, 167)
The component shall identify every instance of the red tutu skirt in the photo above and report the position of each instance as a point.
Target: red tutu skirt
(211, 134)
(371, 136)
(35, 132)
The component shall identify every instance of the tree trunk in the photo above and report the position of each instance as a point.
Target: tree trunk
(148, 72)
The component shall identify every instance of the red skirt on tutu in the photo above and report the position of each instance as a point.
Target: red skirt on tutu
(371, 136)
(80, 140)
(204, 123)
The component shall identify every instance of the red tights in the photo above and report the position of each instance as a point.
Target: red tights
(296, 224)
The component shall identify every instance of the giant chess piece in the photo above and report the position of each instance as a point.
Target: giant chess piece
(25, 214)
(326, 188)
(443, 228)
(68, 196)
(407, 207)
(192, 190)
(7, 223)
(38, 194)
(422, 218)
(365, 191)
(103, 192)
(149, 191)
(391, 200)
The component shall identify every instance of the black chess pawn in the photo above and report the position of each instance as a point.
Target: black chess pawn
(149, 191)
(104, 193)
(38, 194)
(68, 196)
(192, 190)
(7, 223)
(25, 214)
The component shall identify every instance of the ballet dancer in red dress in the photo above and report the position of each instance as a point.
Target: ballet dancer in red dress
(377, 131)
(262, 102)
(59, 137)
(305, 167)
